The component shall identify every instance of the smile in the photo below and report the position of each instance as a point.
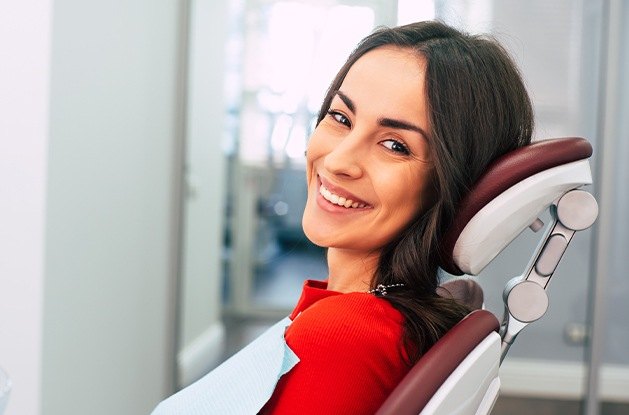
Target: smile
(339, 200)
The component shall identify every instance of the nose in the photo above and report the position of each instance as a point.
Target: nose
(346, 158)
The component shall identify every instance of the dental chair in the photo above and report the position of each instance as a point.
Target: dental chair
(459, 374)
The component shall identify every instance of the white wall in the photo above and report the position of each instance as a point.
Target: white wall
(201, 332)
(110, 208)
(88, 212)
(24, 95)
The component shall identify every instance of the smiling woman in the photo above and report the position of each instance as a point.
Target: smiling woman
(370, 145)
(409, 123)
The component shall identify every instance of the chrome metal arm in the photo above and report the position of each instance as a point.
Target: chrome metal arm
(525, 296)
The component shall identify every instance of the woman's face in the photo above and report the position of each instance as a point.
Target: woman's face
(368, 164)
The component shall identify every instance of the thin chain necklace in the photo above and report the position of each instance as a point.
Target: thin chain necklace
(381, 289)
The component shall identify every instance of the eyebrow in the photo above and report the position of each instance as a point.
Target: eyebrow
(385, 122)
(348, 102)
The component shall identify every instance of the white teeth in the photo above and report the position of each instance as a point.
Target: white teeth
(339, 200)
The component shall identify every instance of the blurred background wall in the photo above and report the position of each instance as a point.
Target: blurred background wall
(90, 134)
(152, 185)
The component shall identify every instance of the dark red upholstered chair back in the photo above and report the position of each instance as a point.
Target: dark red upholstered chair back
(427, 376)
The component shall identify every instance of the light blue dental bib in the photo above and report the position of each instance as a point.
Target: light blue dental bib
(242, 384)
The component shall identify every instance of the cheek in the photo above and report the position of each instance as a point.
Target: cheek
(316, 149)
(316, 143)
(405, 195)
(313, 153)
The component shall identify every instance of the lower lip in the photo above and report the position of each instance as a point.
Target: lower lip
(333, 208)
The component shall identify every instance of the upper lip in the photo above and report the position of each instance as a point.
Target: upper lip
(340, 191)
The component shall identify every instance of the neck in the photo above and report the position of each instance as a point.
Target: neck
(351, 271)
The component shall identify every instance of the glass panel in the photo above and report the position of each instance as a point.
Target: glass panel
(617, 336)
(291, 50)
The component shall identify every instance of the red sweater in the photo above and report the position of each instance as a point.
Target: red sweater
(350, 351)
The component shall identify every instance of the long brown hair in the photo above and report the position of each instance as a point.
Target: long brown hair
(479, 109)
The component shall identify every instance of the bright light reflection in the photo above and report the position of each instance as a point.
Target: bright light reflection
(409, 11)
(280, 133)
(297, 142)
(289, 45)
(340, 30)
(253, 137)
(301, 48)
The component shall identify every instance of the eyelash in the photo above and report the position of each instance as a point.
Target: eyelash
(345, 121)
(402, 150)
(334, 114)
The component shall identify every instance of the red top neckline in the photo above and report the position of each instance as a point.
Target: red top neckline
(312, 292)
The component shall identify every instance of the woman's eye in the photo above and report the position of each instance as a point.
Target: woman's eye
(396, 146)
(339, 117)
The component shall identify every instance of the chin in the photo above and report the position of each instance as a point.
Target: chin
(312, 235)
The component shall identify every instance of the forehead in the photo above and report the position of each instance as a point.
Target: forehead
(388, 77)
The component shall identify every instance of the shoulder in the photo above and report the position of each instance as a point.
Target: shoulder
(345, 320)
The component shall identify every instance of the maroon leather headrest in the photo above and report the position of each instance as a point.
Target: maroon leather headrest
(505, 172)
(434, 367)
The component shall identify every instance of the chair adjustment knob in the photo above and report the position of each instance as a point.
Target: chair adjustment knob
(527, 301)
(577, 210)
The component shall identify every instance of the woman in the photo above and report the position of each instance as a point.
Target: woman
(409, 123)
